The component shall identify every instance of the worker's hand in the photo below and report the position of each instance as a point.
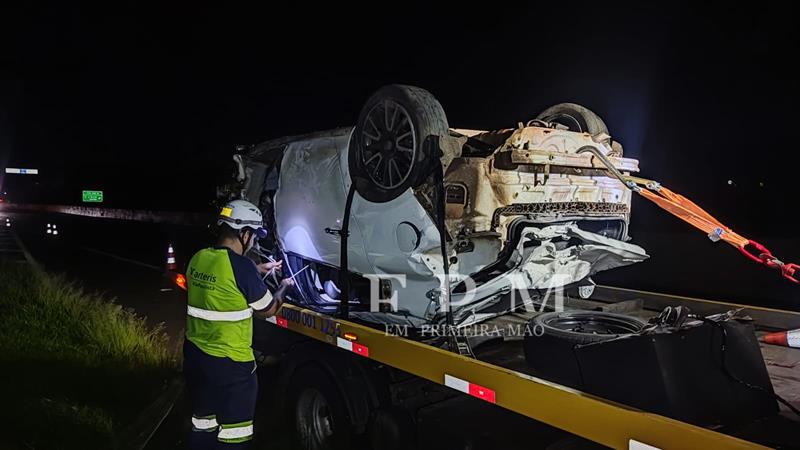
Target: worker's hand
(269, 266)
(286, 284)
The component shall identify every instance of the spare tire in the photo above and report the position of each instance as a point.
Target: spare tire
(584, 327)
(388, 153)
(549, 346)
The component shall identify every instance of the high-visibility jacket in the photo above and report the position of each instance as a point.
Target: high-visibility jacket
(224, 289)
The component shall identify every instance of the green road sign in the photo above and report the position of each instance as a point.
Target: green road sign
(92, 196)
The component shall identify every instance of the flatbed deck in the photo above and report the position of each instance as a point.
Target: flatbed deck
(782, 363)
(499, 374)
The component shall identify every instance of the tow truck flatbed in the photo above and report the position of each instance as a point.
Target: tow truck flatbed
(498, 374)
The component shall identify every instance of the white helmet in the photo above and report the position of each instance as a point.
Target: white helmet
(241, 214)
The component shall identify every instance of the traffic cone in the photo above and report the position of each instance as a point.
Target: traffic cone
(789, 338)
(171, 265)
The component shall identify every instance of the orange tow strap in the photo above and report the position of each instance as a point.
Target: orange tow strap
(688, 211)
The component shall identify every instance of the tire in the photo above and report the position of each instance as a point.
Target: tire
(392, 428)
(550, 349)
(579, 119)
(575, 117)
(316, 411)
(388, 153)
(585, 327)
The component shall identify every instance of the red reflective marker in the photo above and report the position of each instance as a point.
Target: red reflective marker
(361, 349)
(353, 347)
(481, 392)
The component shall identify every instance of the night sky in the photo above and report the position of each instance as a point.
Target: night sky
(144, 102)
(147, 103)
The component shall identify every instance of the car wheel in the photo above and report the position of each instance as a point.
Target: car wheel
(584, 327)
(315, 407)
(575, 117)
(550, 346)
(579, 119)
(389, 151)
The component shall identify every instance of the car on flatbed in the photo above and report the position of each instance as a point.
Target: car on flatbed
(383, 225)
(520, 210)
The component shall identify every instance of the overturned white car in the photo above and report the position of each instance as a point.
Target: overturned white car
(520, 210)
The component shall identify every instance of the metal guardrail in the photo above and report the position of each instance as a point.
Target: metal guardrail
(171, 217)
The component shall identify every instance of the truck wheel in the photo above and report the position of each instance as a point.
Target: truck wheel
(392, 429)
(584, 327)
(315, 407)
(388, 153)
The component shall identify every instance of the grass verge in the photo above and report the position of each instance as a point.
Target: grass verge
(77, 368)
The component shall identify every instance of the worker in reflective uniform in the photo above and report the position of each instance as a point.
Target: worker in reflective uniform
(225, 290)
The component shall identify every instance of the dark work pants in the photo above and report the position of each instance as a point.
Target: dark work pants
(223, 394)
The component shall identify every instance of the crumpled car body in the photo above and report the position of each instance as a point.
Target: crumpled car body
(525, 212)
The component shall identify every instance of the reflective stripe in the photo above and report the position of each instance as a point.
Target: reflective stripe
(263, 303)
(636, 445)
(219, 316)
(472, 389)
(205, 423)
(279, 321)
(793, 338)
(354, 347)
(235, 433)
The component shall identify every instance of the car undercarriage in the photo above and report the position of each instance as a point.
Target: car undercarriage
(522, 211)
